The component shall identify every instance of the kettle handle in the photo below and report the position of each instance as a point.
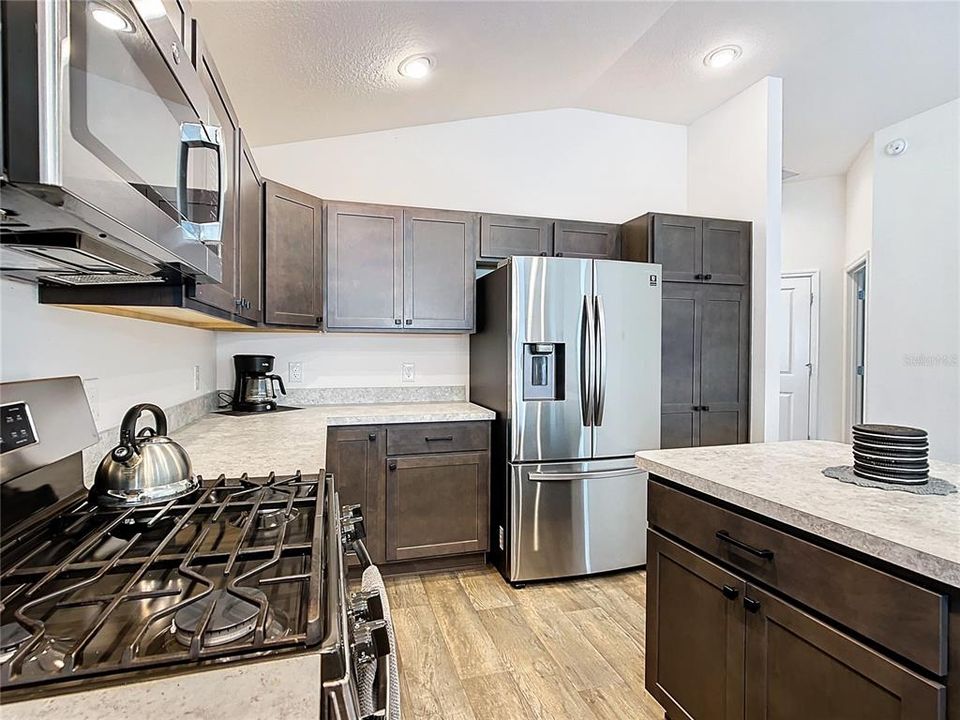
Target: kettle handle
(128, 427)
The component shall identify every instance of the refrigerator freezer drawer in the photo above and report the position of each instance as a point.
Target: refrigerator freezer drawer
(576, 518)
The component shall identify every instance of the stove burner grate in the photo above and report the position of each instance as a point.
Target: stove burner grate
(12, 637)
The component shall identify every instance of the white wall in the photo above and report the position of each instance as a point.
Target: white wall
(814, 228)
(567, 163)
(559, 163)
(859, 217)
(133, 360)
(352, 359)
(913, 293)
(734, 170)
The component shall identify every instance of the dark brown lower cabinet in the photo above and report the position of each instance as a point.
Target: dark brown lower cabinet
(422, 509)
(798, 667)
(355, 457)
(695, 626)
(720, 647)
(437, 505)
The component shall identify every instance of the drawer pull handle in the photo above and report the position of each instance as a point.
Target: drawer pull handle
(730, 592)
(724, 536)
(444, 438)
(750, 604)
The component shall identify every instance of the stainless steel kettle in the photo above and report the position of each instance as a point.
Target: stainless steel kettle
(146, 467)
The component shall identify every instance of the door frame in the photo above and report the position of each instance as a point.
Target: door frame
(813, 402)
(849, 287)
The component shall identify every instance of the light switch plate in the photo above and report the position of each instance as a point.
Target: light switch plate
(407, 372)
(295, 373)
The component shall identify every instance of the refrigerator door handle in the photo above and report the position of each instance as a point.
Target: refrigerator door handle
(588, 475)
(601, 361)
(586, 362)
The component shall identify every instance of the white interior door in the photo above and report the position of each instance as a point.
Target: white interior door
(796, 363)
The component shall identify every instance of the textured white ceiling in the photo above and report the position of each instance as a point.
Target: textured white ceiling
(305, 69)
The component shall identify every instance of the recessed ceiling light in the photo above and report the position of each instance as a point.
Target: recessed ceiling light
(110, 17)
(416, 67)
(722, 56)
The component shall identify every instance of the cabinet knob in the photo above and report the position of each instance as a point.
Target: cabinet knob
(707, 276)
(559, 254)
(730, 592)
(409, 321)
(705, 408)
(397, 321)
(392, 465)
(750, 604)
(698, 276)
(543, 254)
(372, 437)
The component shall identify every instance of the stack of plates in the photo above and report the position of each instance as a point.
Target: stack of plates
(890, 453)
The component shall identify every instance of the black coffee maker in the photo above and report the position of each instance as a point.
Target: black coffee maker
(255, 389)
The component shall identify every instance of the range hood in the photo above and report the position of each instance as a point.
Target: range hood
(71, 258)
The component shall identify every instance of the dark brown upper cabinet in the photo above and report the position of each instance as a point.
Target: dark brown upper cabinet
(222, 295)
(691, 249)
(364, 286)
(249, 235)
(293, 257)
(400, 268)
(502, 236)
(439, 257)
(705, 365)
(586, 240)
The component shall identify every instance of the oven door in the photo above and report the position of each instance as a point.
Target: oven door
(360, 660)
(134, 144)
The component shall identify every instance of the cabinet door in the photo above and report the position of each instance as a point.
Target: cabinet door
(355, 457)
(726, 252)
(502, 236)
(724, 364)
(439, 269)
(680, 366)
(695, 634)
(586, 240)
(678, 247)
(364, 266)
(437, 505)
(799, 668)
(293, 261)
(222, 295)
(249, 235)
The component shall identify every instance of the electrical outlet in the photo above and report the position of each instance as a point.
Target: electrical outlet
(295, 373)
(407, 372)
(91, 386)
(196, 377)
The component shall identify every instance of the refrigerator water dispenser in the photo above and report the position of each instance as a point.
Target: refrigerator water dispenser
(543, 371)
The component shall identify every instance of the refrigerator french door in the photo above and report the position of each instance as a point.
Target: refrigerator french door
(582, 340)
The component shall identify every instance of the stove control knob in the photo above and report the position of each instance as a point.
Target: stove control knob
(370, 641)
(366, 606)
(351, 511)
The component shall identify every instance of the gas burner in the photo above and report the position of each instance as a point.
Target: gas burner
(233, 618)
(12, 637)
(273, 518)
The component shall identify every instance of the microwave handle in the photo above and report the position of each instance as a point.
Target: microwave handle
(199, 135)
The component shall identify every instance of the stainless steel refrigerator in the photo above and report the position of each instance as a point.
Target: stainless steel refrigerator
(567, 352)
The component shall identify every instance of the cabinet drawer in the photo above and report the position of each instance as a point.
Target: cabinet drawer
(437, 438)
(909, 620)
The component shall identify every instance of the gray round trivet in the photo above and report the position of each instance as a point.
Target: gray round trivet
(933, 486)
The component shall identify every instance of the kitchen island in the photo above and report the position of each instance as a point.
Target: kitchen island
(774, 590)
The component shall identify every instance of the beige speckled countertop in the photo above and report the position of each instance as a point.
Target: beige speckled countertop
(783, 481)
(285, 442)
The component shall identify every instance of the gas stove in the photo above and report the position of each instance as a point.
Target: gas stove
(242, 570)
(232, 571)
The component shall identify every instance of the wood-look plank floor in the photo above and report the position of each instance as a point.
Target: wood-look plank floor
(474, 648)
